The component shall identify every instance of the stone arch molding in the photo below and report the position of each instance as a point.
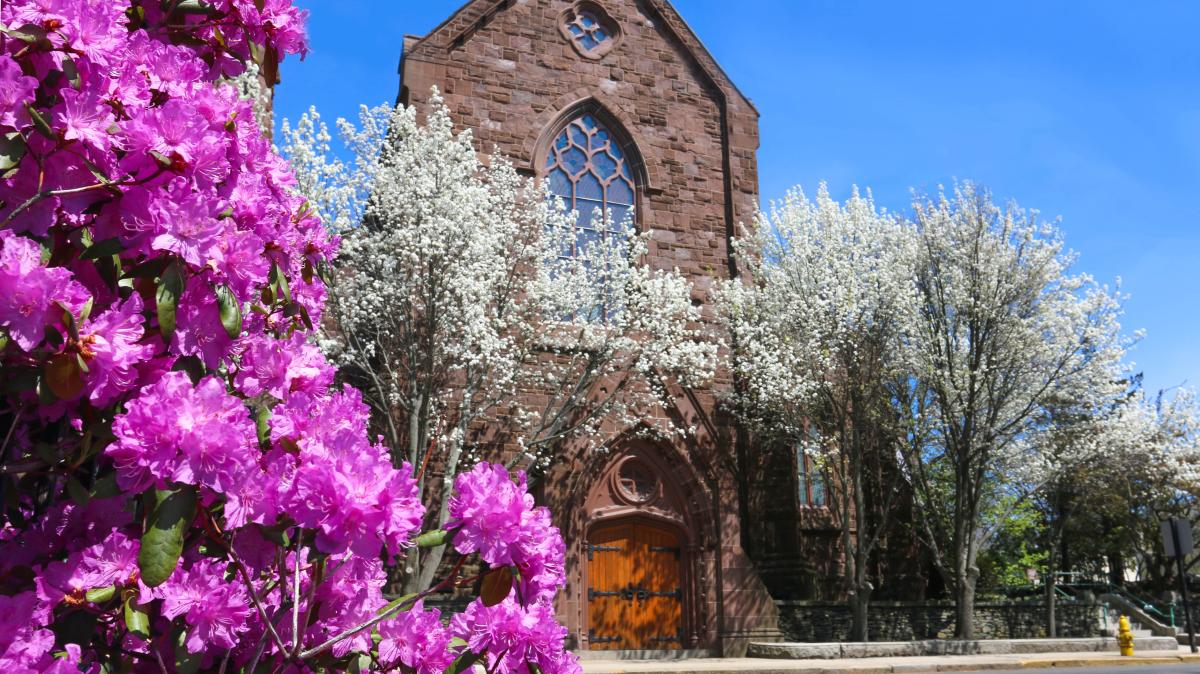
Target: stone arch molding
(678, 500)
(550, 122)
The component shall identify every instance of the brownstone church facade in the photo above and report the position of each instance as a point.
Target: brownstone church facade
(618, 104)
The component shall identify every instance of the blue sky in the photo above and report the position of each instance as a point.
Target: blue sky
(1085, 110)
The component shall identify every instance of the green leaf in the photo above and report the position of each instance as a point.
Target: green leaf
(464, 662)
(103, 248)
(396, 602)
(68, 320)
(359, 664)
(170, 287)
(12, 148)
(305, 317)
(63, 376)
(185, 662)
(231, 311)
(86, 311)
(106, 486)
(276, 533)
(262, 424)
(195, 7)
(100, 595)
(40, 123)
(280, 283)
(79, 493)
(432, 539)
(71, 72)
(162, 544)
(30, 33)
(136, 619)
(162, 159)
(496, 586)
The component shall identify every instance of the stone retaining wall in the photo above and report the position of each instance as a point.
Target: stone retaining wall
(805, 621)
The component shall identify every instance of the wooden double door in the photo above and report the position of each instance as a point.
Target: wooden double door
(635, 588)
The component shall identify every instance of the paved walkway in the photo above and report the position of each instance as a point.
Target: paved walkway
(898, 665)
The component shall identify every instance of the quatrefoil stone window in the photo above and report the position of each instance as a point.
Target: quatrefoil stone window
(590, 30)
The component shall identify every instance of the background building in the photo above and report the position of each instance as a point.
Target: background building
(619, 104)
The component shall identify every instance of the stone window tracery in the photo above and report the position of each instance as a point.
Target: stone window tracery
(589, 28)
(587, 169)
(587, 31)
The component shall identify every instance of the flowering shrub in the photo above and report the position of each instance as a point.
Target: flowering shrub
(182, 489)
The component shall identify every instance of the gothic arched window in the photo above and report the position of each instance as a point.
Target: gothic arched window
(588, 170)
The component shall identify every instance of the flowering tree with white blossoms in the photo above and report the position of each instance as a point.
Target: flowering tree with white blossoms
(454, 307)
(1150, 471)
(818, 349)
(182, 489)
(1003, 332)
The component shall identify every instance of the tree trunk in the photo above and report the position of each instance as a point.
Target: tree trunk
(860, 603)
(1116, 568)
(964, 601)
(1051, 602)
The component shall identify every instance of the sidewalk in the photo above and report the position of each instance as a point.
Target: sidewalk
(897, 665)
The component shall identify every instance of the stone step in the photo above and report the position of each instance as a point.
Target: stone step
(647, 654)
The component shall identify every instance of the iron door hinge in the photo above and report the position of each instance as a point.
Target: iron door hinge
(601, 548)
(663, 548)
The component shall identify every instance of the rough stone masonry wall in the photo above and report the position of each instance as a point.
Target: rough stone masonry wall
(506, 71)
(816, 622)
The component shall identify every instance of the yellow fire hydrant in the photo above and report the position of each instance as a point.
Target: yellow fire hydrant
(1125, 636)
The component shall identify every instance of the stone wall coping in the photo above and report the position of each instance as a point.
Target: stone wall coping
(837, 650)
(806, 603)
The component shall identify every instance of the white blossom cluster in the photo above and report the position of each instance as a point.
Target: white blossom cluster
(461, 300)
(1005, 333)
(825, 280)
(968, 308)
(1156, 435)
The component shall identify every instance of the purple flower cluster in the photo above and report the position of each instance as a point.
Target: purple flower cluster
(497, 518)
(189, 484)
(514, 637)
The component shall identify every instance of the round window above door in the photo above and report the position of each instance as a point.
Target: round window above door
(636, 482)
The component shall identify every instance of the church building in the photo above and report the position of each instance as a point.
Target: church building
(618, 104)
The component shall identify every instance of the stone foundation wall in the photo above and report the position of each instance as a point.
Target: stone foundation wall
(906, 621)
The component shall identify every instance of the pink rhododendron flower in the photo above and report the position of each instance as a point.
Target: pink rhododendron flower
(206, 437)
(279, 367)
(111, 347)
(513, 636)
(215, 609)
(85, 118)
(145, 188)
(199, 331)
(350, 597)
(25, 643)
(341, 485)
(15, 89)
(29, 291)
(112, 561)
(485, 505)
(417, 640)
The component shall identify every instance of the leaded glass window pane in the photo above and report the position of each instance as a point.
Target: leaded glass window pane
(588, 171)
(590, 174)
(587, 31)
(810, 480)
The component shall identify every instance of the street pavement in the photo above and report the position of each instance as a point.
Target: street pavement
(1151, 662)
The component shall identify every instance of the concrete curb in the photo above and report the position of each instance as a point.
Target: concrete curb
(983, 664)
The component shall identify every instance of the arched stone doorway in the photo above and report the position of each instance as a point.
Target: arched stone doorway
(645, 552)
